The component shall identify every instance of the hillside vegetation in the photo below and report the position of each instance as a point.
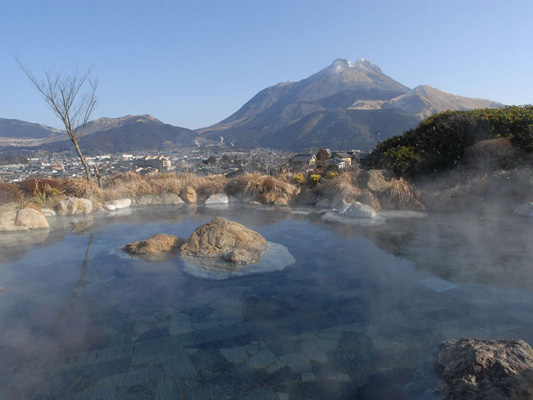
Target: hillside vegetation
(452, 138)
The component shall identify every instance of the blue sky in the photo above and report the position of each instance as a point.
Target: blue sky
(193, 63)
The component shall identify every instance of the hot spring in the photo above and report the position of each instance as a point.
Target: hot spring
(357, 313)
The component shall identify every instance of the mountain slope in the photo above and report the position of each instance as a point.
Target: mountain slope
(16, 129)
(126, 134)
(424, 100)
(341, 129)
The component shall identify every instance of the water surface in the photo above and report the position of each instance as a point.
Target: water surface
(358, 315)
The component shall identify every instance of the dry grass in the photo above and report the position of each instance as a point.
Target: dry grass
(132, 185)
(257, 186)
(344, 188)
(79, 187)
(9, 194)
(401, 194)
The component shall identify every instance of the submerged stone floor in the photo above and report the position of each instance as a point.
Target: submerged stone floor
(346, 321)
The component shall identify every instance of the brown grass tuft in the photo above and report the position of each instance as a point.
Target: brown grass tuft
(257, 185)
(401, 194)
(344, 187)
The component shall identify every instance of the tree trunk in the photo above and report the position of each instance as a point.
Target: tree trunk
(85, 166)
(98, 176)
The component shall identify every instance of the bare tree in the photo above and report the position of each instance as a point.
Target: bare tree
(63, 92)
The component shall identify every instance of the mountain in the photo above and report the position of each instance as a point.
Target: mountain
(341, 106)
(333, 87)
(16, 129)
(126, 134)
(105, 124)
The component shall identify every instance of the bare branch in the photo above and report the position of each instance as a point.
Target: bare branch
(62, 92)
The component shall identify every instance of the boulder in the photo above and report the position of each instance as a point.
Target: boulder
(117, 204)
(164, 198)
(48, 212)
(219, 198)
(220, 238)
(357, 210)
(377, 180)
(157, 247)
(188, 194)
(478, 369)
(74, 205)
(32, 219)
(524, 209)
(22, 220)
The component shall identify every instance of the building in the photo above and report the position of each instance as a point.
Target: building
(346, 157)
(303, 160)
(156, 162)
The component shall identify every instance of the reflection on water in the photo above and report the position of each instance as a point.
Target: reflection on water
(349, 318)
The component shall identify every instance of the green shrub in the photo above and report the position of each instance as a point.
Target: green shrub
(439, 142)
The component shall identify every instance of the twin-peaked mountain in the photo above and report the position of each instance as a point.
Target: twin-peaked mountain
(346, 105)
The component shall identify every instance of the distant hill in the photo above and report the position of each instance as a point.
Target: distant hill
(126, 134)
(341, 106)
(16, 129)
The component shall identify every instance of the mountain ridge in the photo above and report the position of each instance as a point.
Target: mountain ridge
(347, 102)
(330, 104)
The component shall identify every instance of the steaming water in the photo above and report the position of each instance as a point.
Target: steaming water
(359, 313)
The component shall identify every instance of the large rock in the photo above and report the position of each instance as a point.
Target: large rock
(72, 206)
(164, 198)
(117, 204)
(48, 212)
(357, 210)
(219, 198)
(223, 238)
(22, 220)
(478, 369)
(188, 194)
(157, 247)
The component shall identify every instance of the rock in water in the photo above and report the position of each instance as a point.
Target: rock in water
(157, 247)
(219, 198)
(32, 219)
(163, 198)
(22, 220)
(223, 238)
(478, 369)
(74, 205)
(117, 204)
(357, 210)
(188, 195)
